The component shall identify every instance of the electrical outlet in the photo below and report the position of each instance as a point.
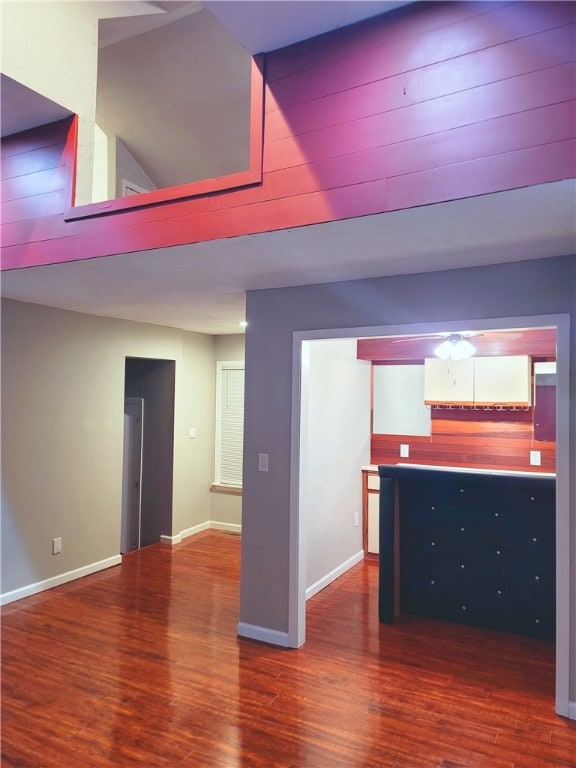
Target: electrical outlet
(191, 433)
(535, 458)
(404, 451)
(57, 545)
(356, 520)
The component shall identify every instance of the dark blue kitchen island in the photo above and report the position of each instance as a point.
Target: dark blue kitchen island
(468, 546)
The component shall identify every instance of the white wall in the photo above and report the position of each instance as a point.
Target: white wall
(104, 172)
(62, 434)
(226, 506)
(127, 168)
(336, 444)
(57, 55)
(399, 401)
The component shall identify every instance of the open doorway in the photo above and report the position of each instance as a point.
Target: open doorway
(300, 483)
(148, 451)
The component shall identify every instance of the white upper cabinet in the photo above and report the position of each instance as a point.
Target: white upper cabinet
(504, 380)
(449, 381)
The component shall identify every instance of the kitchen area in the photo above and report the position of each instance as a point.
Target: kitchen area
(458, 500)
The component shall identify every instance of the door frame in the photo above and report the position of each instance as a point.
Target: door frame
(297, 545)
(140, 402)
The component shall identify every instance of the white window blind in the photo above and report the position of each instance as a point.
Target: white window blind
(229, 423)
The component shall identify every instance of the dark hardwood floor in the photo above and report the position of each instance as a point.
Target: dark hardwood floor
(140, 666)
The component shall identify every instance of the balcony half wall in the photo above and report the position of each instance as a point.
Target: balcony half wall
(429, 103)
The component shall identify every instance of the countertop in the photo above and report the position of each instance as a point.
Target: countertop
(466, 470)
(470, 477)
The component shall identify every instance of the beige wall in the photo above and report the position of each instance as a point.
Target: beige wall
(62, 434)
(227, 507)
(194, 407)
(230, 347)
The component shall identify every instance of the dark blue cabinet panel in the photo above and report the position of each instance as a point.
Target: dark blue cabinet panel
(474, 549)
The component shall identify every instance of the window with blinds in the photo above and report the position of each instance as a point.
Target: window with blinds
(229, 422)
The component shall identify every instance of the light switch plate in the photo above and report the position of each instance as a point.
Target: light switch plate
(535, 458)
(263, 462)
(404, 450)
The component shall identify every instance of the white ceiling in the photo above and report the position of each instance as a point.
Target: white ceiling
(202, 287)
(266, 26)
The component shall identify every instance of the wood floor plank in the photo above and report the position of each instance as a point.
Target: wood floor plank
(140, 666)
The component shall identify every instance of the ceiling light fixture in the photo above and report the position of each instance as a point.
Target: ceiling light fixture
(455, 347)
(243, 323)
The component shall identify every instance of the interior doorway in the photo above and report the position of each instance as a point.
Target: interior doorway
(298, 530)
(148, 451)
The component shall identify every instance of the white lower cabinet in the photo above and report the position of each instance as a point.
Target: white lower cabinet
(371, 511)
(373, 523)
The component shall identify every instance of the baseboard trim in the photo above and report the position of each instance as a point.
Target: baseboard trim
(230, 527)
(56, 581)
(572, 710)
(263, 634)
(334, 574)
(214, 525)
(194, 530)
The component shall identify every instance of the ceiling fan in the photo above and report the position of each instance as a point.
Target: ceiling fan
(455, 345)
(495, 335)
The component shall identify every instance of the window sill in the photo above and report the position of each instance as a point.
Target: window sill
(232, 490)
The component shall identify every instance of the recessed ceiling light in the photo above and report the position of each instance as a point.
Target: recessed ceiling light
(243, 323)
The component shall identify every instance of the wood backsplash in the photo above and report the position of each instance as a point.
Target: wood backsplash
(469, 439)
